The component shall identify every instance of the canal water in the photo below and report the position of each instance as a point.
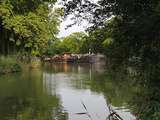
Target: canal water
(64, 92)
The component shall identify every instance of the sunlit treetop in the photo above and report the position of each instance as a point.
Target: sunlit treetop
(31, 22)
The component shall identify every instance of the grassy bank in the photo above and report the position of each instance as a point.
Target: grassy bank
(9, 65)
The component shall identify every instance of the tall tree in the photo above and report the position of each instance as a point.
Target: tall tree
(28, 24)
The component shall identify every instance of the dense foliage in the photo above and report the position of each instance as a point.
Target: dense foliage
(9, 65)
(135, 29)
(27, 25)
(73, 43)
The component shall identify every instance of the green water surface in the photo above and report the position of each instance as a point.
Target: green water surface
(60, 91)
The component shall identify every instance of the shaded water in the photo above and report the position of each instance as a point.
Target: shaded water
(59, 91)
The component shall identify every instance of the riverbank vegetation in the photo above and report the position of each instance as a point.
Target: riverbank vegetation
(26, 28)
(9, 65)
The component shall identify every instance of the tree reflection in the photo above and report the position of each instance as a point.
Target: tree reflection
(143, 89)
(133, 88)
(23, 97)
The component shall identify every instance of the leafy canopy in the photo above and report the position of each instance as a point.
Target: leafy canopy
(32, 23)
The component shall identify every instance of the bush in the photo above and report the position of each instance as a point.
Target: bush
(15, 68)
(8, 65)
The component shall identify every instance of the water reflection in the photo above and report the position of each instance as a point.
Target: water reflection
(22, 97)
(89, 84)
(60, 92)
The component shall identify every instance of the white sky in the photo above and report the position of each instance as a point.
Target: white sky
(75, 28)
